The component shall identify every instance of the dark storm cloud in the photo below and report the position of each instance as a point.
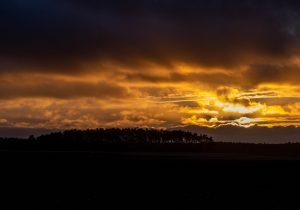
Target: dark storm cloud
(63, 36)
(213, 79)
(268, 73)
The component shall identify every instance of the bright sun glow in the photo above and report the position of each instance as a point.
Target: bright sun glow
(241, 109)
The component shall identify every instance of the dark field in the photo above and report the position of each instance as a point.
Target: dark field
(136, 180)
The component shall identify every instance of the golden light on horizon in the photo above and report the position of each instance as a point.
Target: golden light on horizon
(154, 105)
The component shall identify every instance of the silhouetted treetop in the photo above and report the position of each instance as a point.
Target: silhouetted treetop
(127, 135)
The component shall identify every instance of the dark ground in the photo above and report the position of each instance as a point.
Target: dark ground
(97, 180)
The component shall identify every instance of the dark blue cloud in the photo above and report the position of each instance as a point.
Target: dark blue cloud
(60, 35)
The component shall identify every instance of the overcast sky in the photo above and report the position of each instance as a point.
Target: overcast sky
(149, 63)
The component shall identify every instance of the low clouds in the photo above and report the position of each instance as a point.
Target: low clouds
(61, 90)
(86, 113)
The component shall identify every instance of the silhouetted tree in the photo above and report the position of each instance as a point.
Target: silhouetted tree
(126, 135)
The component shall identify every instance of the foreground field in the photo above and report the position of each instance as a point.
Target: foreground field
(103, 180)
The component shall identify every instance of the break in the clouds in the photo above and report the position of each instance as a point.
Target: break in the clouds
(153, 63)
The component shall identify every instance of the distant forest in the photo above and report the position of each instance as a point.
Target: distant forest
(98, 138)
(141, 140)
(127, 135)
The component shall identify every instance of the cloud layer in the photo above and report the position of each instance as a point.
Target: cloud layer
(155, 63)
(61, 36)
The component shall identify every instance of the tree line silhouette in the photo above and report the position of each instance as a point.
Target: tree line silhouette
(142, 140)
(103, 138)
(128, 135)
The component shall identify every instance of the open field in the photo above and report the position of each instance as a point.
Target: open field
(103, 180)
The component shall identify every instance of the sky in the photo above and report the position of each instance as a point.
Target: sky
(150, 63)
